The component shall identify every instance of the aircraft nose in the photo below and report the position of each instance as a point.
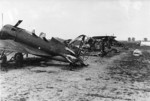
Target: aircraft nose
(1, 34)
(4, 34)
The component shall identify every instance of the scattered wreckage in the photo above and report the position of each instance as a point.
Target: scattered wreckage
(137, 52)
(101, 45)
(22, 42)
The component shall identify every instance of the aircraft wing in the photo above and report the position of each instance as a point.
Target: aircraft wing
(12, 46)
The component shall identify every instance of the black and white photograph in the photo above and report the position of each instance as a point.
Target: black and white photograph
(74, 50)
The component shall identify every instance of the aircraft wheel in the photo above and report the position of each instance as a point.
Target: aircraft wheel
(3, 62)
(114, 50)
(4, 59)
(18, 59)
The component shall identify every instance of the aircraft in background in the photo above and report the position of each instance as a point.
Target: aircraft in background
(21, 41)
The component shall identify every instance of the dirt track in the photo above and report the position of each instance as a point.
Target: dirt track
(100, 81)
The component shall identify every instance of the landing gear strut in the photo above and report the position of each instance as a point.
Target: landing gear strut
(3, 62)
(18, 59)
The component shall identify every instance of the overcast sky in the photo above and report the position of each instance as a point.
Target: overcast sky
(70, 18)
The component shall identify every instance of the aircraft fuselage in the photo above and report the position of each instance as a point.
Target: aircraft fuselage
(25, 37)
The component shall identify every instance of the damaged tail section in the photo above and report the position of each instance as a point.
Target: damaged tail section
(68, 54)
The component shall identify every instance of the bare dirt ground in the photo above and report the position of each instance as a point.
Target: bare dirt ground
(119, 78)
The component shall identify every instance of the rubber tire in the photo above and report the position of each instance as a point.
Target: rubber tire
(4, 63)
(4, 59)
(18, 59)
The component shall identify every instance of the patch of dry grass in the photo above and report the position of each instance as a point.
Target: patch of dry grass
(131, 68)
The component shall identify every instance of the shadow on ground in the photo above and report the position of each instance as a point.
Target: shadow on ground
(40, 62)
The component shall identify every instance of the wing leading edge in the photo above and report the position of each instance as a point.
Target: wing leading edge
(10, 45)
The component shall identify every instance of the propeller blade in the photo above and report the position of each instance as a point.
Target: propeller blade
(18, 23)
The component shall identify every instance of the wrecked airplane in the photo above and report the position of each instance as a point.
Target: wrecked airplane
(20, 41)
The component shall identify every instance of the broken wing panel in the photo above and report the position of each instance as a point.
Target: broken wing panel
(12, 46)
